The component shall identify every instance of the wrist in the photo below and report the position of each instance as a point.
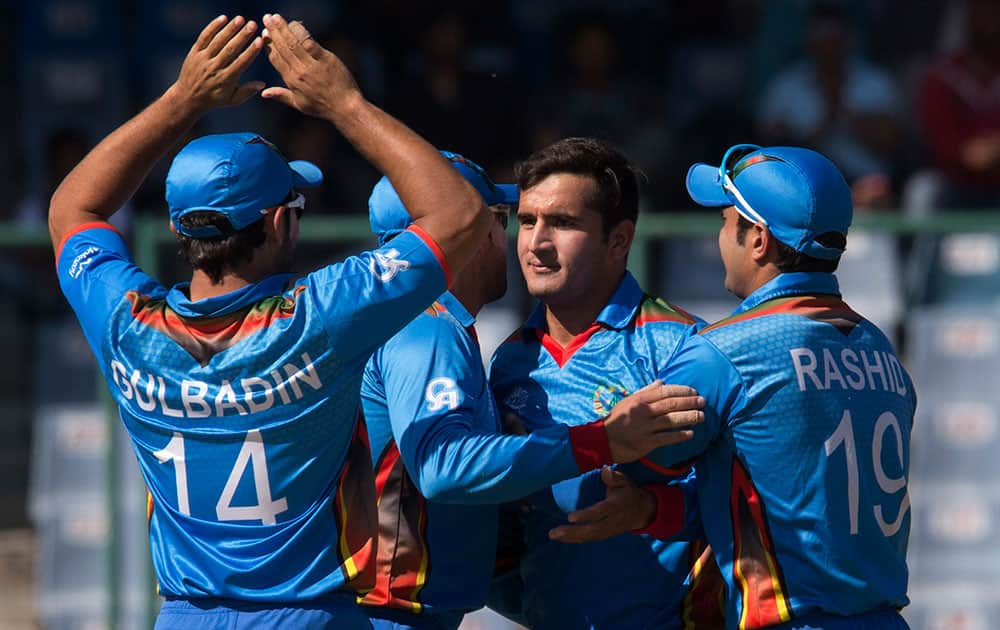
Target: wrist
(347, 107)
(591, 448)
(182, 103)
(667, 515)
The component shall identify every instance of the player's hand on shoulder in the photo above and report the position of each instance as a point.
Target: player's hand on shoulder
(625, 508)
(653, 416)
(211, 72)
(316, 81)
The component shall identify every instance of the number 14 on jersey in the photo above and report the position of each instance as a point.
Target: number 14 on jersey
(251, 454)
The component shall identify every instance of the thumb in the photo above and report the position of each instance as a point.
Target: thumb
(613, 478)
(247, 90)
(280, 94)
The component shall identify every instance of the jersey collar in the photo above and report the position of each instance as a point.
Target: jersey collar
(786, 284)
(456, 309)
(178, 299)
(617, 313)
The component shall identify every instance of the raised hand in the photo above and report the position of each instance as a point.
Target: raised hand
(650, 418)
(210, 74)
(316, 80)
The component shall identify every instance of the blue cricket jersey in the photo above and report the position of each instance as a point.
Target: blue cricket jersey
(442, 465)
(803, 480)
(242, 410)
(629, 581)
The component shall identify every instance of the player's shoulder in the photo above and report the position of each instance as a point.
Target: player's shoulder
(656, 311)
(433, 324)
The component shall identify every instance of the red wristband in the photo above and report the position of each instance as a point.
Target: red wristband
(591, 448)
(669, 518)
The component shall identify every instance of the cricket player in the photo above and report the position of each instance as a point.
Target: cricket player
(804, 455)
(240, 389)
(441, 462)
(595, 337)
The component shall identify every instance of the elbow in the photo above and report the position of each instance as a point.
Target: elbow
(439, 489)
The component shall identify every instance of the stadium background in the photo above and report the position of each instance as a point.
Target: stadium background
(668, 82)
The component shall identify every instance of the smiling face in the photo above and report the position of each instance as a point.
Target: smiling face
(564, 254)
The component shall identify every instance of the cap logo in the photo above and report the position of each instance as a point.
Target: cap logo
(756, 159)
(475, 167)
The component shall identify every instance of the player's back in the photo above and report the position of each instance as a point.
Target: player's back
(241, 426)
(814, 460)
(243, 409)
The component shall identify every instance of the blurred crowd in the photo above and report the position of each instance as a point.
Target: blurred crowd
(904, 96)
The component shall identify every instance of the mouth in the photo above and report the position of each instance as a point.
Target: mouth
(540, 268)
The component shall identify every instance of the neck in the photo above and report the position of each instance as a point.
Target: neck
(469, 292)
(764, 275)
(203, 288)
(566, 321)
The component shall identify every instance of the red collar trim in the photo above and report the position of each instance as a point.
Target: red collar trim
(560, 354)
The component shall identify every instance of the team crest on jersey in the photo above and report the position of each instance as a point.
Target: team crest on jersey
(517, 399)
(385, 265)
(606, 397)
(441, 393)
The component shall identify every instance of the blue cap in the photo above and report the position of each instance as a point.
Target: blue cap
(797, 193)
(239, 175)
(388, 216)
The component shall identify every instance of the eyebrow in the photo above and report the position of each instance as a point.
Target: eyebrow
(557, 214)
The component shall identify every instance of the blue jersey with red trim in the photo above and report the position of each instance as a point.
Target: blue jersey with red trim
(442, 465)
(803, 480)
(629, 581)
(242, 410)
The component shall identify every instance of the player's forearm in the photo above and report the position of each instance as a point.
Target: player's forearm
(463, 467)
(433, 192)
(111, 173)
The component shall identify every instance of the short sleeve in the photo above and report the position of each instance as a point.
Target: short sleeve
(96, 272)
(366, 299)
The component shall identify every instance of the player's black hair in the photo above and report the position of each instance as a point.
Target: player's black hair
(788, 260)
(214, 256)
(617, 178)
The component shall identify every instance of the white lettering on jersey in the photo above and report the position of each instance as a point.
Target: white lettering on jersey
(441, 393)
(81, 261)
(196, 399)
(851, 370)
(386, 266)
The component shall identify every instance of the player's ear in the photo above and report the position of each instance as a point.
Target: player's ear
(620, 239)
(761, 242)
(173, 229)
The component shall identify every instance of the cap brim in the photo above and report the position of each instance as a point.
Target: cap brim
(508, 193)
(305, 174)
(705, 187)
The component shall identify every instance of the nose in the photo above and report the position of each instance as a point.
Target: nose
(539, 238)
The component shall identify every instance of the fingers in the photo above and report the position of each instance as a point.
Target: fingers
(275, 35)
(280, 94)
(596, 512)
(650, 392)
(676, 420)
(238, 44)
(676, 404)
(666, 438)
(209, 32)
(614, 478)
(224, 35)
(247, 56)
(575, 534)
(674, 391)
